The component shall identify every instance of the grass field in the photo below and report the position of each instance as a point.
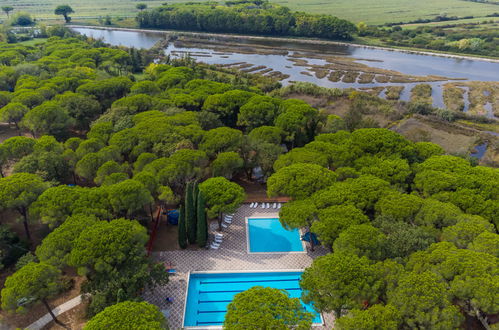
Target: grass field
(370, 11)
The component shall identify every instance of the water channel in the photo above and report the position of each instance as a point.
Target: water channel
(286, 52)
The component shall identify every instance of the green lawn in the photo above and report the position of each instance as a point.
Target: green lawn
(370, 11)
(382, 11)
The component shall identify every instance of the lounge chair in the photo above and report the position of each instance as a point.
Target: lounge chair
(218, 240)
(228, 220)
(256, 205)
(214, 247)
(224, 225)
(219, 235)
(279, 205)
(275, 206)
(252, 205)
(228, 216)
(268, 205)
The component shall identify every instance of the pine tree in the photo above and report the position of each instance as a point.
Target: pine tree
(182, 239)
(202, 225)
(190, 213)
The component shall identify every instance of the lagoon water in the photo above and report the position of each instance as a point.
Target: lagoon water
(403, 62)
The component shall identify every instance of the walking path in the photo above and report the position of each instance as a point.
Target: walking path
(46, 319)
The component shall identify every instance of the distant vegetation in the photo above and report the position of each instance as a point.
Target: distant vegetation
(472, 38)
(380, 12)
(249, 17)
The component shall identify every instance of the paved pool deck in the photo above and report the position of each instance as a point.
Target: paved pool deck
(232, 255)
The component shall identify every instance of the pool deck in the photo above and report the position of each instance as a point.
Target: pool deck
(232, 255)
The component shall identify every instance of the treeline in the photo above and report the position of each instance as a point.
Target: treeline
(469, 38)
(247, 17)
(438, 18)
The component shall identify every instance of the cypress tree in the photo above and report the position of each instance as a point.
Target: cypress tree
(202, 228)
(190, 213)
(195, 192)
(182, 239)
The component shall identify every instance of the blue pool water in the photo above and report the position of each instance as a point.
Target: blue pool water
(209, 294)
(268, 235)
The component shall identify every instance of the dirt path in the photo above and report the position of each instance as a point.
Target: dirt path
(46, 319)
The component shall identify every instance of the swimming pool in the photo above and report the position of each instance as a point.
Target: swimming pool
(208, 294)
(267, 235)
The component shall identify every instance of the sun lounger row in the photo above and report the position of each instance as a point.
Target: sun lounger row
(266, 205)
(215, 244)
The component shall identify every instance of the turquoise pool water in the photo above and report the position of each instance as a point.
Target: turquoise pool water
(209, 293)
(268, 235)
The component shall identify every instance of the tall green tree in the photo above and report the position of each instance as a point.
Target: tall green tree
(128, 197)
(221, 196)
(363, 240)
(128, 315)
(340, 281)
(334, 220)
(7, 10)
(57, 245)
(423, 302)
(64, 10)
(182, 231)
(299, 214)
(32, 283)
(226, 164)
(55, 204)
(113, 257)
(266, 308)
(202, 224)
(300, 180)
(13, 113)
(376, 317)
(48, 118)
(19, 191)
(190, 213)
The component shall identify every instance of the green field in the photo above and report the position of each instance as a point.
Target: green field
(382, 11)
(370, 11)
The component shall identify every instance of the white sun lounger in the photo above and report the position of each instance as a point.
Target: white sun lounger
(275, 205)
(224, 225)
(279, 205)
(214, 247)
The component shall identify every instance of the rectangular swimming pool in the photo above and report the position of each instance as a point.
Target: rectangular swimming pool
(208, 294)
(268, 235)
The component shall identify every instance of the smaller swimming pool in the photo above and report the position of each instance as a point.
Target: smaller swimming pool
(267, 235)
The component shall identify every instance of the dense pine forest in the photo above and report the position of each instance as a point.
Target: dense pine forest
(108, 134)
(246, 17)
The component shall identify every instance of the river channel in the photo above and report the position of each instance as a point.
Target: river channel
(298, 61)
